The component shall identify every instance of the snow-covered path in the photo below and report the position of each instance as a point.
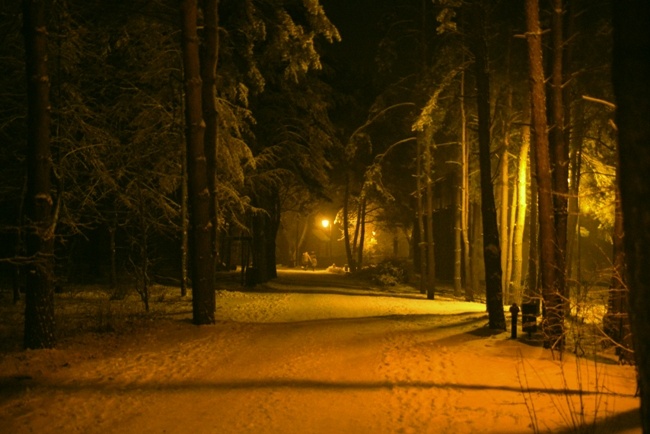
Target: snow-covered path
(308, 353)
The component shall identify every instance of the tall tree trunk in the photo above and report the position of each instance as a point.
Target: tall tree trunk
(39, 297)
(477, 243)
(263, 239)
(431, 260)
(559, 149)
(571, 129)
(520, 223)
(532, 282)
(615, 321)
(274, 223)
(19, 247)
(553, 321)
(503, 215)
(346, 224)
(361, 230)
(210, 54)
(300, 239)
(184, 224)
(631, 75)
(507, 206)
(458, 216)
(465, 210)
(113, 253)
(142, 262)
(514, 205)
(491, 249)
(420, 210)
(203, 296)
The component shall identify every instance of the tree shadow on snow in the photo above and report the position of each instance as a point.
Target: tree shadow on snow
(104, 387)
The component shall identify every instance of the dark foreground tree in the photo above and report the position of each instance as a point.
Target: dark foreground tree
(209, 59)
(631, 79)
(203, 297)
(491, 249)
(39, 301)
(553, 304)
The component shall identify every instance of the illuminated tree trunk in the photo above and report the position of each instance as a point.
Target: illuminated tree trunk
(507, 206)
(532, 283)
(631, 75)
(465, 205)
(361, 225)
(203, 296)
(491, 249)
(39, 296)
(520, 221)
(503, 215)
(553, 321)
(514, 205)
(357, 229)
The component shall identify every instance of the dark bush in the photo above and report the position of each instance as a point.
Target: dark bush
(391, 272)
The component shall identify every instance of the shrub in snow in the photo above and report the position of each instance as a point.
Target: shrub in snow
(390, 272)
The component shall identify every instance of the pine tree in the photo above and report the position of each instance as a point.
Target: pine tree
(553, 303)
(491, 247)
(630, 76)
(39, 301)
(203, 295)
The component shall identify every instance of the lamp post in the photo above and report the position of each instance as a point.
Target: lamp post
(328, 225)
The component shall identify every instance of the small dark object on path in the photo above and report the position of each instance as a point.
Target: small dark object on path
(514, 311)
(529, 312)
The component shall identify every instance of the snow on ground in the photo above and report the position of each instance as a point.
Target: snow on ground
(310, 352)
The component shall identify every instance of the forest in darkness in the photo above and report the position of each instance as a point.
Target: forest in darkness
(149, 141)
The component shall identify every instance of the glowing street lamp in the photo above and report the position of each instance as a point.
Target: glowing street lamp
(327, 224)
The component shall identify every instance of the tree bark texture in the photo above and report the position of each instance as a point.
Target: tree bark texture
(39, 297)
(431, 258)
(210, 54)
(631, 80)
(491, 249)
(508, 206)
(520, 223)
(203, 296)
(560, 152)
(265, 227)
(422, 247)
(346, 224)
(532, 280)
(361, 226)
(458, 243)
(465, 204)
(184, 225)
(504, 175)
(514, 204)
(553, 320)
(616, 320)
